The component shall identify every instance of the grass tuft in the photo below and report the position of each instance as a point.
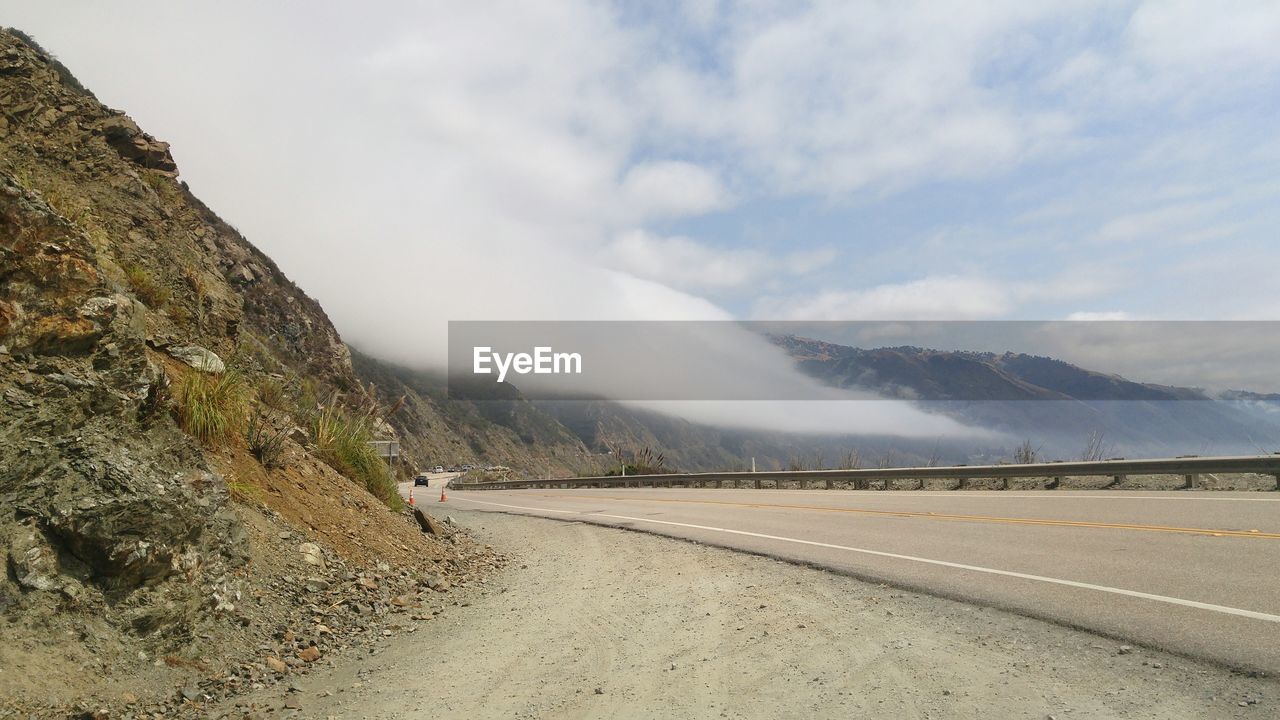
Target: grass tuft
(265, 442)
(245, 491)
(150, 292)
(212, 408)
(342, 440)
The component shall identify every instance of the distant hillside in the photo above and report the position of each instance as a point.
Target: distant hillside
(439, 430)
(991, 390)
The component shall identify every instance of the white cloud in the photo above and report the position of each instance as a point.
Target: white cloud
(1205, 38)
(832, 97)
(936, 297)
(672, 189)
(697, 267)
(1152, 223)
(933, 298)
(682, 262)
(1105, 315)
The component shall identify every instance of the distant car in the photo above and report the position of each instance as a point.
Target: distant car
(439, 469)
(422, 480)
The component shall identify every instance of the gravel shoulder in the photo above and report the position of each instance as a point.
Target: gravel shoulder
(591, 622)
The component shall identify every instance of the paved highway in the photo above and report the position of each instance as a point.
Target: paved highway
(1192, 573)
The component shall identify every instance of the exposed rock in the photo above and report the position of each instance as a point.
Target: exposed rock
(316, 585)
(311, 554)
(427, 524)
(199, 358)
(136, 146)
(33, 563)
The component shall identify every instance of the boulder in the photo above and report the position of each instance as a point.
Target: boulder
(198, 358)
(311, 554)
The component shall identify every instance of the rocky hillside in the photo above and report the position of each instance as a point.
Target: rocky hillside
(439, 430)
(185, 498)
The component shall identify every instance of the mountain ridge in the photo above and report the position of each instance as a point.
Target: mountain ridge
(1057, 402)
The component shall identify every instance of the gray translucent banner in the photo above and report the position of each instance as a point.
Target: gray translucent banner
(1143, 361)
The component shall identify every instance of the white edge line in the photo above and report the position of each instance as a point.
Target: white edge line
(1002, 494)
(943, 563)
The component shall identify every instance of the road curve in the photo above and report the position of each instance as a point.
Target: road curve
(1192, 573)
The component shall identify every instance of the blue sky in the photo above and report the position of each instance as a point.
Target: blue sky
(413, 163)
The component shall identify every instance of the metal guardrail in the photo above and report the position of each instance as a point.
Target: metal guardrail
(1189, 468)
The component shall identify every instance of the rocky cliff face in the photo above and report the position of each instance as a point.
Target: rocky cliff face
(119, 538)
(104, 502)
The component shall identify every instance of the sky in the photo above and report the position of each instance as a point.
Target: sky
(411, 163)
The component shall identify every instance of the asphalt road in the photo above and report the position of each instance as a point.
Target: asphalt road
(1192, 573)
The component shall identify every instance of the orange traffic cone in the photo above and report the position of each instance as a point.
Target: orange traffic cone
(411, 497)
(442, 497)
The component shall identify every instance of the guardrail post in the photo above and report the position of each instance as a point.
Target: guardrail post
(1193, 481)
(804, 484)
(757, 483)
(829, 483)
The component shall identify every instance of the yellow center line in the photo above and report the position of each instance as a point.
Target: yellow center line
(940, 516)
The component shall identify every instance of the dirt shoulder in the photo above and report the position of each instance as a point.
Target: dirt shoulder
(591, 622)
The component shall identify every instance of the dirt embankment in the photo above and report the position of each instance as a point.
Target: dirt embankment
(591, 622)
(290, 609)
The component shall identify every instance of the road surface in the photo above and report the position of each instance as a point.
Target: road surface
(435, 481)
(1192, 573)
(590, 622)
